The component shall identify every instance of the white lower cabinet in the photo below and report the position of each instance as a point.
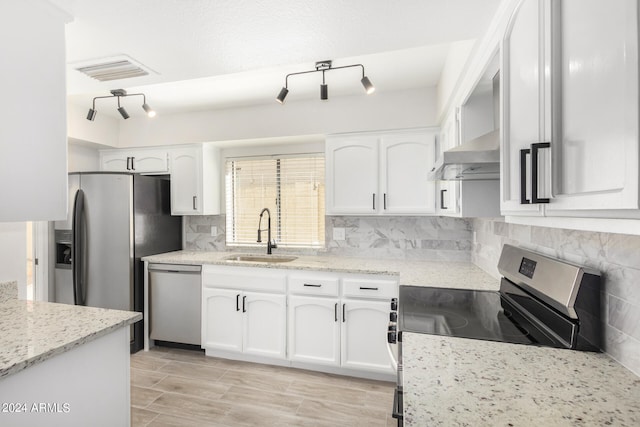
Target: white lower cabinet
(314, 330)
(364, 335)
(340, 321)
(236, 319)
(324, 321)
(264, 324)
(222, 321)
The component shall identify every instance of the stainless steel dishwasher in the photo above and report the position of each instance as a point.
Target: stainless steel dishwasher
(174, 303)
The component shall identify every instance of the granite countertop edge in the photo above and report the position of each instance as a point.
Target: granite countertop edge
(12, 359)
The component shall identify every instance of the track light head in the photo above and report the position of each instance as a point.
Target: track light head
(282, 95)
(150, 112)
(123, 113)
(324, 92)
(92, 114)
(368, 86)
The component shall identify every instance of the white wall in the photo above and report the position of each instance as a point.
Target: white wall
(83, 157)
(103, 130)
(454, 65)
(13, 253)
(391, 110)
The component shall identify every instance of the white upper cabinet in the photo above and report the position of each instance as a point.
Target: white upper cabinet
(570, 120)
(33, 128)
(352, 174)
(447, 191)
(526, 97)
(380, 173)
(595, 123)
(146, 161)
(195, 180)
(406, 160)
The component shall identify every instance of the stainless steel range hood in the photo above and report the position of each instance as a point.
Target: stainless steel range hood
(478, 159)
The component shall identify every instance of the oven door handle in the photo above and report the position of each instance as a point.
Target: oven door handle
(397, 405)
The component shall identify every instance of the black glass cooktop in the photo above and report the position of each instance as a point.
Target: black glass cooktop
(465, 313)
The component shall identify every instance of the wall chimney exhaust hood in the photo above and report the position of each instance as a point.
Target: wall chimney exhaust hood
(478, 159)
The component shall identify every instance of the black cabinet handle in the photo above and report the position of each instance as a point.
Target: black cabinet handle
(195, 203)
(534, 171)
(312, 285)
(128, 163)
(238, 302)
(384, 201)
(374, 201)
(523, 176)
(133, 165)
(335, 312)
(442, 206)
(364, 288)
(244, 303)
(344, 317)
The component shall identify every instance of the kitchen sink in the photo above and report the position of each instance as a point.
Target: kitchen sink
(260, 258)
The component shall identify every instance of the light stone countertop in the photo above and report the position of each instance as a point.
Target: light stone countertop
(8, 291)
(463, 275)
(463, 382)
(32, 332)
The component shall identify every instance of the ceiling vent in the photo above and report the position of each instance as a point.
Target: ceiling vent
(113, 68)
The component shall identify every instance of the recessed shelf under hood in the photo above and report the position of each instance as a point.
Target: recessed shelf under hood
(478, 159)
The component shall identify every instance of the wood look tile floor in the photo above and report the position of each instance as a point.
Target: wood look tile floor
(175, 387)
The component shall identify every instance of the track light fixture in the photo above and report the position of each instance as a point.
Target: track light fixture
(324, 66)
(121, 93)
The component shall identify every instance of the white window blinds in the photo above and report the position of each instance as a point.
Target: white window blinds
(293, 190)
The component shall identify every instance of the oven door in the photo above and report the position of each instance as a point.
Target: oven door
(394, 345)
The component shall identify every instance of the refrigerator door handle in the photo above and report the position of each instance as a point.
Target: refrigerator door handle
(77, 249)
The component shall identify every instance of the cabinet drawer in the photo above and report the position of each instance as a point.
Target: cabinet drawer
(314, 285)
(241, 278)
(369, 288)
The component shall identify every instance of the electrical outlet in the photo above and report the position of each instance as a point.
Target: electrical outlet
(339, 233)
(214, 230)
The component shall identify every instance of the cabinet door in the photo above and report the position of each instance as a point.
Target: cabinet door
(406, 160)
(33, 146)
(352, 175)
(150, 161)
(142, 161)
(222, 319)
(525, 97)
(264, 325)
(447, 192)
(186, 181)
(314, 330)
(116, 162)
(364, 335)
(595, 150)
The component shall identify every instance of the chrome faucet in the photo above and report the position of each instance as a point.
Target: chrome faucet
(270, 244)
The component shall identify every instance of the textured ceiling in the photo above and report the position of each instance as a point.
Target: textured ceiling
(220, 53)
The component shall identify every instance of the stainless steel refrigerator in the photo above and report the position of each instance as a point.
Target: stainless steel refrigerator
(114, 220)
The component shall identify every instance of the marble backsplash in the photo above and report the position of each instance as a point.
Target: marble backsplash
(616, 256)
(426, 238)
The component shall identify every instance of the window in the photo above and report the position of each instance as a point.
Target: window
(291, 187)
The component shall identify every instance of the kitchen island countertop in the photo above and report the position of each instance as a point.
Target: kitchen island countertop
(32, 332)
(417, 273)
(461, 382)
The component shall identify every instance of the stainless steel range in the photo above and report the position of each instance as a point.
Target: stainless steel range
(541, 301)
